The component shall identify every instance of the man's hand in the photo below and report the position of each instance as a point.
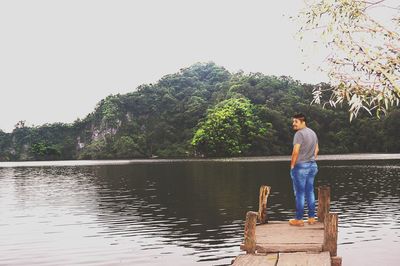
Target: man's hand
(316, 151)
(295, 155)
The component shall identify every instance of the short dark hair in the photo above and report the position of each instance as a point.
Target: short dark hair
(300, 116)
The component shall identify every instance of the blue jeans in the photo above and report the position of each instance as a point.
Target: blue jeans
(303, 175)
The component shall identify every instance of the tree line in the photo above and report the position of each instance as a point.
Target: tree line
(203, 111)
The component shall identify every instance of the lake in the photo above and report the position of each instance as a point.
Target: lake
(184, 212)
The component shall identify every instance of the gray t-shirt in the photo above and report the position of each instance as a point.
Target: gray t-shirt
(308, 140)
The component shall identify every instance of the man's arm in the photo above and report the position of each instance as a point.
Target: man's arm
(295, 155)
(316, 151)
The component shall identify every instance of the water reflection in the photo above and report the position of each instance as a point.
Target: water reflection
(182, 212)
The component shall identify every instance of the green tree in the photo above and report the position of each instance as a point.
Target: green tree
(229, 129)
(127, 147)
(45, 151)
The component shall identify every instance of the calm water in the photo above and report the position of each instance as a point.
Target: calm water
(186, 212)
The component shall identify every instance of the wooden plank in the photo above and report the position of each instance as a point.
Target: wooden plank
(256, 259)
(292, 239)
(284, 247)
(277, 247)
(304, 259)
(282, 237)
(282, 232)
(279, 224)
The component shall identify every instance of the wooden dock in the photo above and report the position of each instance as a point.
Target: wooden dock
(278, 243)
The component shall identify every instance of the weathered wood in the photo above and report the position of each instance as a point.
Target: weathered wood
(279, 247)
(330, 235)
(256, 259)
(303, 259)
(293, 239)
(336, 261)
(262, 206)
(281, 237)
(282, 232)
(324, 201)
(297, 247)
(250, 232)
(284, 225)
(311, 244)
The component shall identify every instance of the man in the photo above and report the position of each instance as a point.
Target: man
(303, 168)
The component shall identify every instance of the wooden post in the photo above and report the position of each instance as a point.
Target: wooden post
(262, 206)
(324, 201)
(331, 233)
(336, 261)
(250, 232)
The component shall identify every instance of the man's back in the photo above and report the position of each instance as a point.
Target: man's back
(308, 140)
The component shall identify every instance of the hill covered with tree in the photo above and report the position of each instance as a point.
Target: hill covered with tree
(202, 110)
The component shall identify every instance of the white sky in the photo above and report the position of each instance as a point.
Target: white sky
(59, 58)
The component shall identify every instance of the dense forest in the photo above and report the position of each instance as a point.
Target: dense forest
(202, 111)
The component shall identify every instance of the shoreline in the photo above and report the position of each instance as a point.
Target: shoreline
(280, 158)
